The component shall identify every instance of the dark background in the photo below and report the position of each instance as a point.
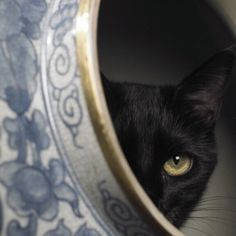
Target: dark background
(157, 41)
(161, 42)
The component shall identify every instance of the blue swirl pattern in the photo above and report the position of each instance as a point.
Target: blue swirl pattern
(62, 68)
(123, 218)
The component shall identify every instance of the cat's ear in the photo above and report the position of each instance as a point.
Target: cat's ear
(111, 89)
(107, 87)
(113, 93)
(201, 93)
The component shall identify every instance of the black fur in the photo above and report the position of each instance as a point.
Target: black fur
(155, 123)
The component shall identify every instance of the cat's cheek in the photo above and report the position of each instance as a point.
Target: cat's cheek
(175, 210)
(164, 177)
(172, 214)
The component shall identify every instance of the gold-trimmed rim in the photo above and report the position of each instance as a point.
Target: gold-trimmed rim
(86, 36)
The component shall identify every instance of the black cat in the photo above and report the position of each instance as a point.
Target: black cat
(167, 133)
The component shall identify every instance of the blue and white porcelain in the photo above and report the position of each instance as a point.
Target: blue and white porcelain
(56, 177)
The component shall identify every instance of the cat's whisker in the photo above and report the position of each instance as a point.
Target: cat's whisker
(198, 230)
(213, 206)
(226, 221)
(215, 209)
(218, 197)
(202, 222)
(217, 201)
(220, 205)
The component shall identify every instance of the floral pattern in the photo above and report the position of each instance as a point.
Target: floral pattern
(61, 230)
(21, 130)
(18, 77)
(34, 189)
(25, 17)
(15, 229)
(85, 231)
(38, 191)
(18, 62)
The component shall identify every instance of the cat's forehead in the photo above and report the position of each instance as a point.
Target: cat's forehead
(153, 112)
(151, 96)
(150, 104)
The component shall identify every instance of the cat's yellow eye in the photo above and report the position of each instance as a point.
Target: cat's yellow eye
(178, 165)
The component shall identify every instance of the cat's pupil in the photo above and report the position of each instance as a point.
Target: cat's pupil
(176, 160)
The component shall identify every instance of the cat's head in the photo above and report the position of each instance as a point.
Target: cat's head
(167, 133)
